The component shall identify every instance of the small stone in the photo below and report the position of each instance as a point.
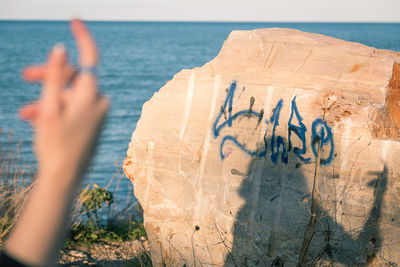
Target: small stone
(77, 254)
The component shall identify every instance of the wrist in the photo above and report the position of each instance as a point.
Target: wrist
(59, 176)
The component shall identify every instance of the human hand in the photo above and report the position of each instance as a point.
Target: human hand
(66, 120)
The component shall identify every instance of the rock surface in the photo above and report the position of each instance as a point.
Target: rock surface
(284, 149)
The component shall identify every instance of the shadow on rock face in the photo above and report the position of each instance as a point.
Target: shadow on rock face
(275, 227)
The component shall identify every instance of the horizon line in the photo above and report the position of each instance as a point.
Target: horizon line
(196, 21)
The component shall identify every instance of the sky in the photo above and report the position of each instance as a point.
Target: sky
(205, 10)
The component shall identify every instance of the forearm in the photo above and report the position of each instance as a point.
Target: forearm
(42, 226)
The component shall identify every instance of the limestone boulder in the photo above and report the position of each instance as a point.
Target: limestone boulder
(283, 150)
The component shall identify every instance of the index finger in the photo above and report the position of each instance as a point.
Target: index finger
(86, 45)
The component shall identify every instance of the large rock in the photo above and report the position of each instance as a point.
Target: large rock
(225, 157)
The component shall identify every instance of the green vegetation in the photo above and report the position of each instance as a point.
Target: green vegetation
(93, 230)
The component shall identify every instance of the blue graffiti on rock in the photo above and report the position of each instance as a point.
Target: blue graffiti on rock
(278, 147)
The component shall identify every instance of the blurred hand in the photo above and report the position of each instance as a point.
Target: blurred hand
(66, 120)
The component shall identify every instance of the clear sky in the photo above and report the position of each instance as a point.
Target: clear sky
(205, 10)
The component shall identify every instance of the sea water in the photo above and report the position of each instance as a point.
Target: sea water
(137, 59)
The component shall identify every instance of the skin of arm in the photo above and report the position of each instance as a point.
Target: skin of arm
(67, 122)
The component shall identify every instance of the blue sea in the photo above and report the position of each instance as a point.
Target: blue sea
(137, 58)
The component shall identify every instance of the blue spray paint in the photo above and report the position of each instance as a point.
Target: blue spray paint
(280, 143)
(236, 142)
(321, 130)
(263, 153)
(217, 126)
(228, 122)
(300, 131)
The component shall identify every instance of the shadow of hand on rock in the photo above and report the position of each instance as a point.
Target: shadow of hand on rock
(270, 228)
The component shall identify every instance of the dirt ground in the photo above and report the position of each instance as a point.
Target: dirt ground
(128, 253)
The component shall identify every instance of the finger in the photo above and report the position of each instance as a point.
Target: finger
(86, 45)
(37, 73)
(29, 111)
(85, 85)
(53, 82)
(34, 73)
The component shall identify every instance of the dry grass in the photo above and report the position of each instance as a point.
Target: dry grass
(15, 183)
